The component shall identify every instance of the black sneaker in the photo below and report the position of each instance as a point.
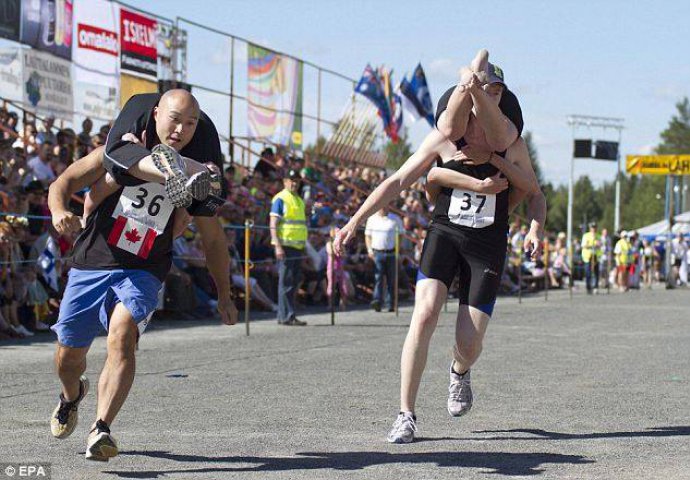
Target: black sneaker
(293, 322)
(376, 306)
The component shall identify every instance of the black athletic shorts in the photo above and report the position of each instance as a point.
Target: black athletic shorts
(479, 264)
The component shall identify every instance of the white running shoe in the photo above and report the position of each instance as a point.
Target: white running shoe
(101, 446)
(24, 331)
(459, 393)
(404, 428)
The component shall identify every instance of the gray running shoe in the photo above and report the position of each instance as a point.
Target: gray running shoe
(180, 188)
(66, 414)
(459, 393)
(404, 429)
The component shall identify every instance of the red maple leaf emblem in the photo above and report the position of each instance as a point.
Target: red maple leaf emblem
(132, 236)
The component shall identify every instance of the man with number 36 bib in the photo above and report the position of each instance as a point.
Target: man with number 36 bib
(150, 176)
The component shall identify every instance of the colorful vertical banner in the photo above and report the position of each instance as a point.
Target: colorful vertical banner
(47, 26)
(96, 58)
(11, 79)
(274, 85)
(47, 84)
(138, 44)
(10, 19)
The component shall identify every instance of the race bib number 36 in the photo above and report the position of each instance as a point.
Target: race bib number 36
(472, 209)
(141, 215)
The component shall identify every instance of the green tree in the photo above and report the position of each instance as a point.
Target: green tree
(643, 196)
(586, 208)
(676, 137)
(521, 209)
(534, 156)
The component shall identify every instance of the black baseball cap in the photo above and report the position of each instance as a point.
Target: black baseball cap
(495, 74)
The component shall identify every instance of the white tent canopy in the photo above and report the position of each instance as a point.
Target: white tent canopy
(681, 225)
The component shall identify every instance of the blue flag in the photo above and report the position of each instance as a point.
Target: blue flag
(371, 87)
(416, 97)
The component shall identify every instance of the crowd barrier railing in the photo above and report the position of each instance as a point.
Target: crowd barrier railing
(248, 264)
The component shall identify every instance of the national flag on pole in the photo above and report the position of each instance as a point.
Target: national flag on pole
(397, 112)
(132, 236)
(387, 82)
(46, 261)
(416, 97)
(370, 86)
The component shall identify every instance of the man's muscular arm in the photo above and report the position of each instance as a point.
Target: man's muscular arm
(78, 176)
(215, 248)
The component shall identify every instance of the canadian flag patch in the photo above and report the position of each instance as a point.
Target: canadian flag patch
(132, 236)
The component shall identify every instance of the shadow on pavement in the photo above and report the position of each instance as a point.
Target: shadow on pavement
(503, 463)
(546, 435)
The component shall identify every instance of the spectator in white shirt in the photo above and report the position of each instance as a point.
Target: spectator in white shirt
(380, 235)
(40, 165)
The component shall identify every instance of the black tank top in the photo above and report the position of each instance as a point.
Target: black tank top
(472, 214)
(130, 229)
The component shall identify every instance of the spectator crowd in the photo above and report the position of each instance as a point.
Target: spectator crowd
(32, 272)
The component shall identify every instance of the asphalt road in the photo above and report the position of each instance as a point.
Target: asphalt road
(593, 388)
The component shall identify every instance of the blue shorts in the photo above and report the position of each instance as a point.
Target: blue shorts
(91, 296)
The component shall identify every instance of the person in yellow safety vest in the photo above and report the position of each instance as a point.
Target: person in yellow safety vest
(622, 255)
(288, 224)
(591, 253)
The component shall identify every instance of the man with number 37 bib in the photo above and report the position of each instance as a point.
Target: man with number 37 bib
(150, 175)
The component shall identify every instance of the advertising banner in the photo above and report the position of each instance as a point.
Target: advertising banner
(47, 26)
(47, 84)
(165, 34)
(138, 44)
(99, 102)
(130, 85)
(11, 73)
(274, 97)
(10, 19)
(96, 52)
(658, 164)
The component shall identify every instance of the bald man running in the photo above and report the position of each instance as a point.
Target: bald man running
(125, 249)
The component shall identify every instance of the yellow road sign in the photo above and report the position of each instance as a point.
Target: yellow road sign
(658, 164)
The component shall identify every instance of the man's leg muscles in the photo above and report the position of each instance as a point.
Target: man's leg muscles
(70, 364)
(118, 373)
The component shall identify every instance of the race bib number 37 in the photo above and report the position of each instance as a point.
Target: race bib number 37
(141, 215)
(472, 209)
